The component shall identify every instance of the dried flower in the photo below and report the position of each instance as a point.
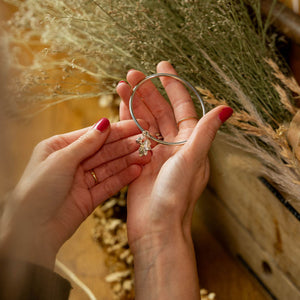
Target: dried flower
(111, 232)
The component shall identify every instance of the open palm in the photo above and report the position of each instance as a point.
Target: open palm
(167, 189)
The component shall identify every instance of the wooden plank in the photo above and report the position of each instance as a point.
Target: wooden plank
(240, 242)
(273, 230)
(219, 271)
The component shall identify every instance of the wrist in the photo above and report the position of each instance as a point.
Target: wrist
(165, 266)
(157, 237)
(154, 234)
(160, 245)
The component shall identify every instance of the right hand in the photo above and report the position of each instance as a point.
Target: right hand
(161, 201)
(163, 198)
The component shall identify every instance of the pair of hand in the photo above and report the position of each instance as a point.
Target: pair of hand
(57, 191)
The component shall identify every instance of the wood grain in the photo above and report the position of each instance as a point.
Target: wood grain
(251, 222)
(219, 271)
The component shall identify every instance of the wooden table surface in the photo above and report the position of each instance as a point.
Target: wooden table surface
(218, 271)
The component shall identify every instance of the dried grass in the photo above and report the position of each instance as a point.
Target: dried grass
(223, 47)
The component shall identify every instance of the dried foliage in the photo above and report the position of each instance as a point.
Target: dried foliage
(103, 39)
(269, 145)
(111, 232)
(223, 47)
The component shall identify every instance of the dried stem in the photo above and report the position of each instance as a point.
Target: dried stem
(223, 47)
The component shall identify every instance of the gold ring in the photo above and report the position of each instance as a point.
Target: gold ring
(94, 176)
(187, 118)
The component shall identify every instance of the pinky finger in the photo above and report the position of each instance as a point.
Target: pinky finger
(114, 184)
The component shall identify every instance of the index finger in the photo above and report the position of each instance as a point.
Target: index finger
(124, 129)
(119, 130)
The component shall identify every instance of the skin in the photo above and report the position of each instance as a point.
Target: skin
(162, 199)
(57, 191)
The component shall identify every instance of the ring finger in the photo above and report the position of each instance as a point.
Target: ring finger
(99, 174)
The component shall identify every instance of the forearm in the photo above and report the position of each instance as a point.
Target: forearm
(165, 268)
(28, 249)
(24, 241)
(23, 280)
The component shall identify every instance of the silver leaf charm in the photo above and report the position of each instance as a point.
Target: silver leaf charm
(145, 144)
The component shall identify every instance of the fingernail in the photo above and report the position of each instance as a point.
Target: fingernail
(225, 114)
(122, 81)
(102, 125)
(131, 70)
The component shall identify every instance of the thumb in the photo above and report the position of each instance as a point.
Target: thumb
(89, 143)
(204, 133)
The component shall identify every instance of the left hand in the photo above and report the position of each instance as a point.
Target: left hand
(57, 191)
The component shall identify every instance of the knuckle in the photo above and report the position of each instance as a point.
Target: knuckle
(210, 132)
(117, 130)
(86, 138)
(131, 145)
(121, 164)
(116, 166)
(106, 153)
(109, 187)
(40, 146)
(44, 145)
(134, 158)
(106, 170)
(126, 146)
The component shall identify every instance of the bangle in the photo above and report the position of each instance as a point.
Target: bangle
(144, 142)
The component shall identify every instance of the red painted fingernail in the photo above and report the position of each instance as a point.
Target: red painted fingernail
(225, 114)
(122, 81)
(102, 125)
(131, 70)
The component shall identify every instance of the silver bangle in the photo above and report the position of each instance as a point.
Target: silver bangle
(145, 144)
